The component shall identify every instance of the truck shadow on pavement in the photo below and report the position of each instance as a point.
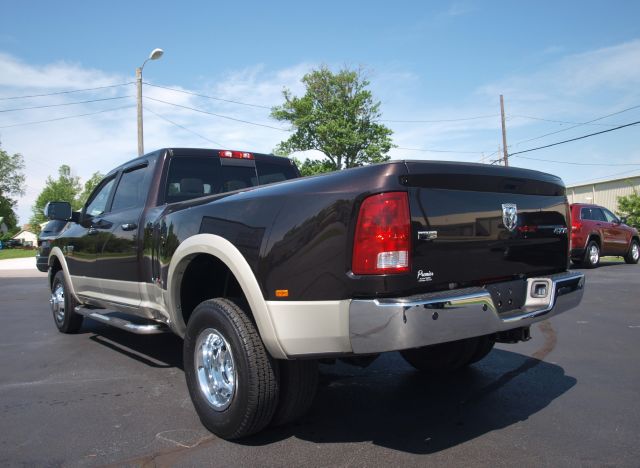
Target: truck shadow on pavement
(393, 406)
(389, 403)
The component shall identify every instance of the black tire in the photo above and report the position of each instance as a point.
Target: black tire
(255, 396)
(589, 260)
(63, 306)
(483, 347)
(576, 262)
(633, 255)
(442, 358)
(298, 385)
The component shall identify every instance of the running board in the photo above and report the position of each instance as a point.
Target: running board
(117, 322)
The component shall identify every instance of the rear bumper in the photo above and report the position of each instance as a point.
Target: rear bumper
(379, 325)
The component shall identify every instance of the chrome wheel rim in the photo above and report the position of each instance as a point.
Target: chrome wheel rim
(57, 303)
(635, 251)
(215, 369)
(594, 254)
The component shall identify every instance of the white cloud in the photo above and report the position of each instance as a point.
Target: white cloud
(572, 87)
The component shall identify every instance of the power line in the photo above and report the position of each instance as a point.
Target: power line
(207, 96)
(185, 128)
(66, 104)
(560, 121)
(66, 117)
(577, 125)
(425, 150)
(577, 163)
(217, 115)
(441, 120)
(574, 139)
(66, 92)
(483, 158)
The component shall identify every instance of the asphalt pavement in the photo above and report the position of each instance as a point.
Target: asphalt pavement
(568, 397)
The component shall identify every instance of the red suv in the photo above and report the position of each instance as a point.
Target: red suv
(596, 231)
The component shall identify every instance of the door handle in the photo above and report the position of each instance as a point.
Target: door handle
(129, 226)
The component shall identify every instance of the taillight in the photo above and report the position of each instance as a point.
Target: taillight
(382, 239)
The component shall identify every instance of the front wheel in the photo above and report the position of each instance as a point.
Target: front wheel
(231, 378)
(63, 306)
(634, 253)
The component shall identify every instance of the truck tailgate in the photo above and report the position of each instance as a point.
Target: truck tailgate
(479, 224)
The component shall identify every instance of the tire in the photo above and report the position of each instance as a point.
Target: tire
(591, 255)
(483, 348)
(442, 358)
(633, 255)
(298, 385)
(241, 369)
(63, 306)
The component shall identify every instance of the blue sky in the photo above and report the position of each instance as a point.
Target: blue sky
(572, 61)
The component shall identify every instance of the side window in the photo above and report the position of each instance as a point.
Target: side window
(610, 216)
(132, 189)
(597, 214)
(98, 202)
(585, 214)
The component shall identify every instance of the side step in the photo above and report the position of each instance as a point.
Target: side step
(123, 324)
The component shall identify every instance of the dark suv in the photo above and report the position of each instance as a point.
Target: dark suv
(596, 231)
(50, 231)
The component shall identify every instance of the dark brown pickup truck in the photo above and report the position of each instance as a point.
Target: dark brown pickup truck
(263, 273)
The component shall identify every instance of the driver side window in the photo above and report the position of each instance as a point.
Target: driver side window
(99, 200)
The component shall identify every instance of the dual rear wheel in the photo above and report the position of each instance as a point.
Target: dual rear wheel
(236, 387)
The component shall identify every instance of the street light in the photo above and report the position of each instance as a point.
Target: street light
(154, 55)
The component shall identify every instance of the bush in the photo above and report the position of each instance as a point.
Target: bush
(629, 206)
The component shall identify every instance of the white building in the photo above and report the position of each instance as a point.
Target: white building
(604, 192)
(29, 239)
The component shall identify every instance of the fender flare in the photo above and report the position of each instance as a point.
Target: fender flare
(56, 253)
(227, 253)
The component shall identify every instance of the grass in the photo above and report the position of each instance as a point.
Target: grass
(6, 254)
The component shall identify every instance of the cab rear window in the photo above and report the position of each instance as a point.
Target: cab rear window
(193, 177)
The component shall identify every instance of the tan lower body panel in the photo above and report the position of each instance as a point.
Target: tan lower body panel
(311, 327)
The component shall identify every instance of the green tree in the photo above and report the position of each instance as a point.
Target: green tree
(11, 184)
(630, 206)
(338, 116)
(65, 188)
(89, 185)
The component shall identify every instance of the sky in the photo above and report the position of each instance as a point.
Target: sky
(438, 69)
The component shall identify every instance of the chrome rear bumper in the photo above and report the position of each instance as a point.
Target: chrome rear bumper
(378, 325)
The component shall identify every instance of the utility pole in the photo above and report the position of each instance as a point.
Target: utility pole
(504, 133)
(140, 132)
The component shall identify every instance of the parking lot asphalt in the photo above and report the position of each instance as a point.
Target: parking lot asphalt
(568, 397)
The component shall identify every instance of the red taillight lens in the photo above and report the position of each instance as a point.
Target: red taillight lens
(382, 240)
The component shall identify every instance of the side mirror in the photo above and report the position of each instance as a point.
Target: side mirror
(58, 210)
